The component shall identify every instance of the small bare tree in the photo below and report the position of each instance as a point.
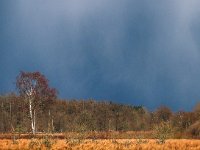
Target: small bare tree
(34, 88)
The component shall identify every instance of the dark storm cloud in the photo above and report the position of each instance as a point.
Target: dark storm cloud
(137, 52)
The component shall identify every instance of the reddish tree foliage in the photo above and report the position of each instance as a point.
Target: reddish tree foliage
(33, 86)
(36, 84)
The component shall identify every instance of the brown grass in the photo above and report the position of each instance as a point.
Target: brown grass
(87, 135)
(112, 144)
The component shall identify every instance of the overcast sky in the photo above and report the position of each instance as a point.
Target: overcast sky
(140, 52)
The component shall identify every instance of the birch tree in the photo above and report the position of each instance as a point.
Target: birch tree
(34, 88)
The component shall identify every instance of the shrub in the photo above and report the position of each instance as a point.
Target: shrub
(34, 144)
(47, 142)
(163, 131)
(194, 130)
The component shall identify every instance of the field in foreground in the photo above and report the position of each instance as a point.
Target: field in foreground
(112, 144)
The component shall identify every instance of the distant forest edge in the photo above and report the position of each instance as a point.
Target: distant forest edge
(37, 109)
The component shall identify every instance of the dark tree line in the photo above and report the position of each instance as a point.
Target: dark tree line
(72, 115)
(56, 115)
(90, 115)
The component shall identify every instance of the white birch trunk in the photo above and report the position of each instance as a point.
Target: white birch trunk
(32, 116)
(52, 125)
(29, 93)
(34, 129)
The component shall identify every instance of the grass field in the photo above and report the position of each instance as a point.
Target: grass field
(106, 144)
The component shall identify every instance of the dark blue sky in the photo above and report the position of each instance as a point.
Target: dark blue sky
(136, 52)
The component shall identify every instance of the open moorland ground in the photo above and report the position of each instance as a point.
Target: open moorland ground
(100, 144)
(95, 141)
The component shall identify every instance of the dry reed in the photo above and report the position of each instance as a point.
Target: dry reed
(112, 144)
